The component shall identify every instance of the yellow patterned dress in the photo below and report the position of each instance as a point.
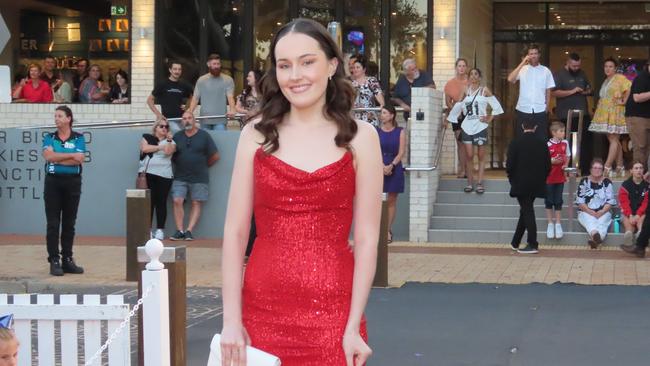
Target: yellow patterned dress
(610, 113)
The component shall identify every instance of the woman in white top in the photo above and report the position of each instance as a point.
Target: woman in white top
(156, 152)
(477, 116)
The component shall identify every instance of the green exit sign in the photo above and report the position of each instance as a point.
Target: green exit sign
(118, 10)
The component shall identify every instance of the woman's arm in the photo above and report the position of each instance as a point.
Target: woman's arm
(146, 148)
(235, 238)
(367, 214)
(402, 148)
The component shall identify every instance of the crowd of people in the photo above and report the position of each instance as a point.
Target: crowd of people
(83, 84)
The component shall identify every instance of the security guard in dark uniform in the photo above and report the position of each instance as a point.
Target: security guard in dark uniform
(64, 152)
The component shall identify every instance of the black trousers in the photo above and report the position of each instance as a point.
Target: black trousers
(61, 196)
(644, 235)
(526, 222)
(540, 119)
(160, 188)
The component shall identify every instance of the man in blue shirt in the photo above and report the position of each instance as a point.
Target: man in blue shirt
(412, 77)
(64, 152)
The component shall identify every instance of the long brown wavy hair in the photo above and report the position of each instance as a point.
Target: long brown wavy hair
(339, 97)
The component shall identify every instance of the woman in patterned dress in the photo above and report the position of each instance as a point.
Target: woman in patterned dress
(369, 92)
(249, 99)
(609, 117)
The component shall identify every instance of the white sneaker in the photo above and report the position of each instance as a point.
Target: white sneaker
(159, 234)
(550, 231)
(558, 231)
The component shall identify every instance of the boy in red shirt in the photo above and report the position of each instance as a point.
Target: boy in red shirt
(560, 153)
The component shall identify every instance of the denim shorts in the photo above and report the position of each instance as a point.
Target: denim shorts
(478, 139)
(198, 191)
(553, 197)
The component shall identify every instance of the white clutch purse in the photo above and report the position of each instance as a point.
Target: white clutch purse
(254, 356)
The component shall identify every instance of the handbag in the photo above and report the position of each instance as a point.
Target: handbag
(254, 356)
(141, 180)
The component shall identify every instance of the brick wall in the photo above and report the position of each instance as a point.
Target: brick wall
(424, 142)
(142, 75)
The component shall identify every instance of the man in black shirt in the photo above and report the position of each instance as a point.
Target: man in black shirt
(571, 90)
(171, 94)
(82, 73)
(637, 115)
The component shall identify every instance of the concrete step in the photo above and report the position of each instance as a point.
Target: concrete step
(485, 210)
(496, 223)
(505, 236)
(485, 198)
(491, 185)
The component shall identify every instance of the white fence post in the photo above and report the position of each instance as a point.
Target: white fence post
(155, 308)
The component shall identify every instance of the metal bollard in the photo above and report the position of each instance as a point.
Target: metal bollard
(138, 224)
(174, 259)
(575, 137)
(381, 273)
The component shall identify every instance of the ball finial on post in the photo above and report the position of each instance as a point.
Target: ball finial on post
(154, 249)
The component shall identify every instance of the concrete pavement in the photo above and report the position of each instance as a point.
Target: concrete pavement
(24, 268)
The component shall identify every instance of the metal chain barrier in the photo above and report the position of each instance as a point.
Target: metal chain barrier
(119, 330)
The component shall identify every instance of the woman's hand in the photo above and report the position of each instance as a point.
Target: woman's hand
(388, 169)
(234, 340)
(355, 348)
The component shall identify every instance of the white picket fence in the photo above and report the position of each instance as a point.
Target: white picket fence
(69, 313)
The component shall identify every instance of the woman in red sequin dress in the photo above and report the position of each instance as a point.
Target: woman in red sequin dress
(307, 169)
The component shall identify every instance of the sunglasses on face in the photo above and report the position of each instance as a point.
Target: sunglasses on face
(164, 126)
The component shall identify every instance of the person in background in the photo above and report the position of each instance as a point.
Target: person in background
(9, 344)
(249, 99)
(474, 127)
(120, 92)
(535, 84)
(156, 151)
(633, 200)
(64, 93)
(609, 117)
(33, 90)
(368, 91)
(454, 93)
(560, 153)
(82, 73)
(50, 75)
(571, 90)
(528, 165)
(214, 91)
(411, 77)
(595, 199)
(172, 95)
(351, 60)
(64, 153)
(393, 145)
(92, 89)
(195, 153)
(637, 116)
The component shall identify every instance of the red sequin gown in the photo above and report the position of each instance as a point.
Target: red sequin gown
(298, 281)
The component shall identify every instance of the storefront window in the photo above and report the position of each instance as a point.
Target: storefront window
(269, 16)
(509, 16)
(178, 38)
(408, 38)
(362, 31)
(323, 11)
(611, 15)
(223, 30)
(53, 38)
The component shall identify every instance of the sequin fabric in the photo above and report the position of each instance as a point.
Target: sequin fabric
(298, 281)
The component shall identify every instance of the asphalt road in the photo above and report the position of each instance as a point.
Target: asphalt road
(476, 324)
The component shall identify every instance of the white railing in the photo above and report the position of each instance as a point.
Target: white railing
(114, 313)
(69, 313)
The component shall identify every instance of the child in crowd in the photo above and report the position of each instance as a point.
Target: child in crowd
(8, 343)
(633, 199)
(560, 154)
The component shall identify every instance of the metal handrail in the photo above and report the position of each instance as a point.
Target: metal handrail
(147, 122)
(436, 161)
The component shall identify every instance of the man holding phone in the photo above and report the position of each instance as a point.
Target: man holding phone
(535, 84)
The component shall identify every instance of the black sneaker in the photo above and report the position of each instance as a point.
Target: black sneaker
(188, 235)
(528, 250)
(69, 266)
(634, 250)
(178, 235)
(514, 247)
(55, 267)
